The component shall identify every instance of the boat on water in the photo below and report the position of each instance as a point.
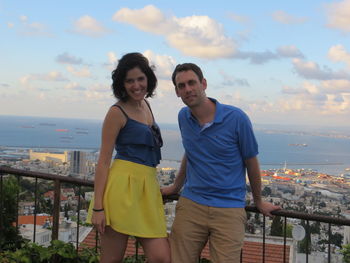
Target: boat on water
(61, 130)
(82, 132)
(67, 137)
(298, 144)
(47, 124)
(345, 176)
(27, 126)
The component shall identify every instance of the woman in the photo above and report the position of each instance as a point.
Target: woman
(127, 198)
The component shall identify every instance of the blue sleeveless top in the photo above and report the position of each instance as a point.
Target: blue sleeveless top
(138, 142)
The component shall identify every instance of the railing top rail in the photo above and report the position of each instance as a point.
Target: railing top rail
(282, 212)
(292, 214)
(65, 179)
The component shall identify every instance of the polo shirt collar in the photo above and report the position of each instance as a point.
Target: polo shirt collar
(218, 111)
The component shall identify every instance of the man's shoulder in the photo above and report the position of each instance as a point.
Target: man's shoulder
(233, 111)
(183, 111)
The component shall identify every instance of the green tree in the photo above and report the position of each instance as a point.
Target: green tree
(346, 253)
(266, 191)
(304, 245)
(336, 239)
(277, 227)
(9, 235)
(315, 228)
(257, 218)
(322, 205)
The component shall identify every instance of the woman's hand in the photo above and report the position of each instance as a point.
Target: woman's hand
(99, 221)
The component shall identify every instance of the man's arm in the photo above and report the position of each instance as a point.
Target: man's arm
(179, 180)
(254, 176)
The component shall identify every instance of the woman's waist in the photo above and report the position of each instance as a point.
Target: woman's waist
(134, 160)
(149, 157)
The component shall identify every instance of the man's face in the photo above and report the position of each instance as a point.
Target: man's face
(190, 88)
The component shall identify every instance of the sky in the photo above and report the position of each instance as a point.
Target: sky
(282, 62)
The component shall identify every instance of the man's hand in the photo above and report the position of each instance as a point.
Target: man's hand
(266, 208)
(169, 190)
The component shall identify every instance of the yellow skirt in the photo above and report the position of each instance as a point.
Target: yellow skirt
(132, 201)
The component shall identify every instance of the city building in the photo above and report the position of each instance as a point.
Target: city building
(48, 156)
(78, 160)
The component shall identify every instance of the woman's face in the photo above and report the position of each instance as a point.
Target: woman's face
(135, 84)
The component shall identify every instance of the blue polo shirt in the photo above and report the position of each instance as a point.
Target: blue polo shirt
(215, 173)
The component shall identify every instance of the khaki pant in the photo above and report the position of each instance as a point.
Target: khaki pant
(195, 224)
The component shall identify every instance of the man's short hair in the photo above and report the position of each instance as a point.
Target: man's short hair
(185, 67)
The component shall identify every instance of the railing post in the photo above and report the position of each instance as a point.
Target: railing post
(329, 242)
(17, 200)
(56, 209)
(307, 240)
(35, 207)
(285, 240)
(78, 218)
(96, 239)
(137, 250)
(264, 236)
(1, 206)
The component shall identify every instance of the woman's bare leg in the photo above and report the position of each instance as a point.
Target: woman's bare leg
(113, 246)
(157, 250)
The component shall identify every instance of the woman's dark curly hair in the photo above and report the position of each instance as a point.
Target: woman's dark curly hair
(127, 62)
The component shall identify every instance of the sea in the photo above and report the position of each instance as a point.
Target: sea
(277, 149)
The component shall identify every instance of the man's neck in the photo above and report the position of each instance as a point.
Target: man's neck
(205, 112)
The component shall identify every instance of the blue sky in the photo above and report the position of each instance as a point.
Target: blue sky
(284, 62)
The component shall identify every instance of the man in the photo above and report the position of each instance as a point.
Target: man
(220, 147)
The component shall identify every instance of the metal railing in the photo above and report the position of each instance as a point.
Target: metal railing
(58, 180)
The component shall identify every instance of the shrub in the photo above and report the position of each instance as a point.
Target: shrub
(58, 250)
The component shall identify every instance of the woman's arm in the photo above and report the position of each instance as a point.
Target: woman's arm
(112, 124)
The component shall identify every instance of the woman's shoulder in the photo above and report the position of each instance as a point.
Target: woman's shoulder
(116, 115)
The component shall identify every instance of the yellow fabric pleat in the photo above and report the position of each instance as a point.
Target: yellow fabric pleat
(132, 201)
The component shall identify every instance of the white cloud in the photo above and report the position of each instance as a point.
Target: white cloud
(308, 104)
(66, 58)
(328, 98)
(42, 96)
(198, 36)
(112, 61)
(83, 72)
(311, 70)
(149, 19)
(263, 57)
(51, 76)
(339, 53)
(96, 96)
(293, 91)
(112, 58)
(290, 51)
(338, 14)
(336, 86)
(74, 86)
(257, 57)
(35, 29)
(164, 64)
(23, 18)
(89, 26)
(285, 18)
(239, 18)
(229, 80)
(101, 88)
